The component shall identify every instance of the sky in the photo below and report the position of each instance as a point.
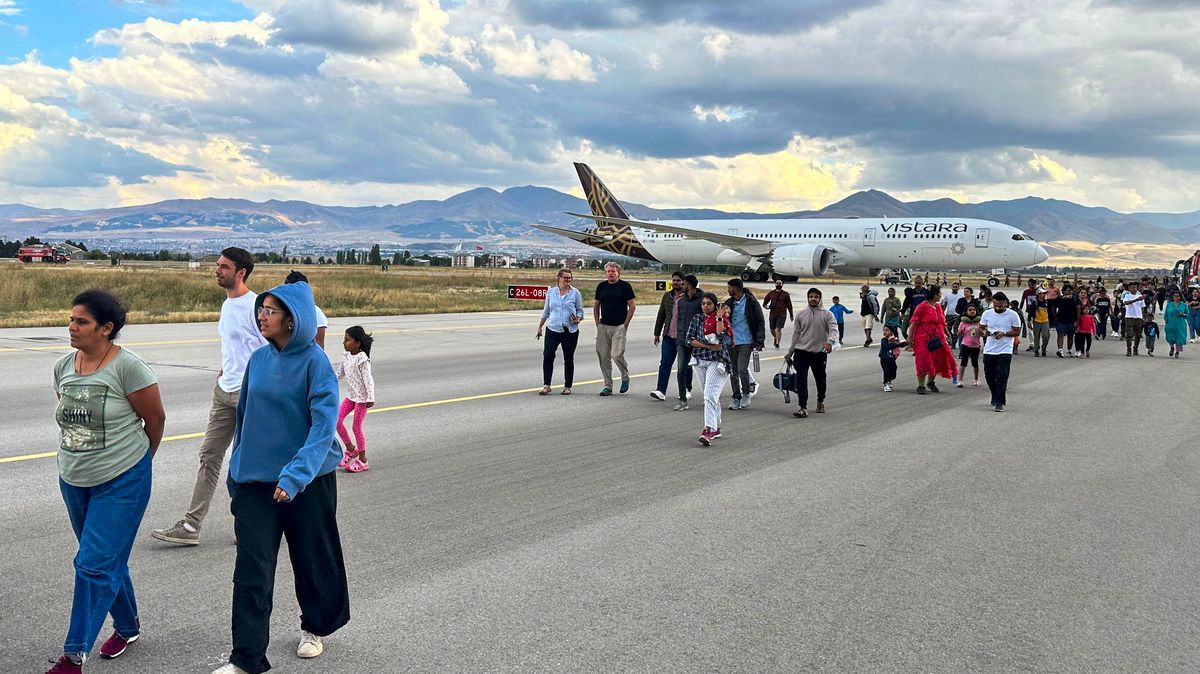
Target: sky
(757, 105)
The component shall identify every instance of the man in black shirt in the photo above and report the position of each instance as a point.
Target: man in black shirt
(613, 309)
(1066, 310)
(912, 299)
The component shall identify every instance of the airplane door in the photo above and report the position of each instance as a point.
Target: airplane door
(869, 236)
(981, 237)
(733, 231)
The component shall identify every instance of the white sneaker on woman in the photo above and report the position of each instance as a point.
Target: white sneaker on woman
(310, 645)
(229, 668)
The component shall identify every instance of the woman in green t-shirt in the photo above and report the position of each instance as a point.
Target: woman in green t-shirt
(111, 420)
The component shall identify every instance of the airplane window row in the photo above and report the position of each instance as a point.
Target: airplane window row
(923, 236)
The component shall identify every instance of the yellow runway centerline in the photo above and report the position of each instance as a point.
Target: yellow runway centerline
(397, 408)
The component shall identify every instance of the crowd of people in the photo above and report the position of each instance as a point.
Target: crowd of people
(276, 403)
(948, 332)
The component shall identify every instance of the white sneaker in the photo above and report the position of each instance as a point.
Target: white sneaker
(658, 395)
(887, 388)
(689, 394)
(229, 668)
(310, 645)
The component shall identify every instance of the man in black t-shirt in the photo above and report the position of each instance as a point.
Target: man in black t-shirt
(1065, 310)
(612, 310)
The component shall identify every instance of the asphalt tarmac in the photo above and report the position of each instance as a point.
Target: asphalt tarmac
(501, 531)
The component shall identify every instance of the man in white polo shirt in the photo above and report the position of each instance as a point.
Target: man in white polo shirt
(1001, 325)
(238, 329)
(1131, 325)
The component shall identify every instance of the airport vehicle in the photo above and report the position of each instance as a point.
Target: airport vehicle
(43, 253)
(795, 247)
(1187, 272)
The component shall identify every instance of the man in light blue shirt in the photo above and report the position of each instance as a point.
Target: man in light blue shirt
(749, 335)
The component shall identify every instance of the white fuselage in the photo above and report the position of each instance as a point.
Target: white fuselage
(925, 243)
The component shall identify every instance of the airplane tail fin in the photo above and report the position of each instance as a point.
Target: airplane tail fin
(600, 200)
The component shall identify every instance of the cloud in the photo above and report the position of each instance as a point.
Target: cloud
(717, 45)
(9, 8)
(751, 16)
(363, 27)
(189, 31)
(37, 162)
(524, 57)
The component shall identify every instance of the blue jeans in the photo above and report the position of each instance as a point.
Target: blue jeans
(1194, 323)
(665, 361)
(105, 519)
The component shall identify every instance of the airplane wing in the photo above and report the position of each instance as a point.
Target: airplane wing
(743, 244)
(581, 237)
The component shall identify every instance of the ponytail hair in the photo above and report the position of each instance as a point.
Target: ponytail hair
(359, 335)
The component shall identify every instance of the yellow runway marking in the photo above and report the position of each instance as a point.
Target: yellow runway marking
(408, 406)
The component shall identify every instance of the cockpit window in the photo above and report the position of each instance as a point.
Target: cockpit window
(1022, 237)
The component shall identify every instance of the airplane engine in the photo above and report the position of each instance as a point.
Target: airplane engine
(802, 259)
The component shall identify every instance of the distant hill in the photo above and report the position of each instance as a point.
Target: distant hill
(485, 213)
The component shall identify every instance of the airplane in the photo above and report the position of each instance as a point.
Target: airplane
(788, 248)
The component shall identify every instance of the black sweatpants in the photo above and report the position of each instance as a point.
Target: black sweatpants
(803, 361)
(889, 369)
(309, 522)
(995, 371)
(569, 340)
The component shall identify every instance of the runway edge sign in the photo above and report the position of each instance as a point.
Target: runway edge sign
(527, 292)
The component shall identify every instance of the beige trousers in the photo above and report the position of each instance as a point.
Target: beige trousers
(221, 421)
(610, 347)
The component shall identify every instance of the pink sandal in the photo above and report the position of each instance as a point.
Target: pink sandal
(348, 456)
(357, 465)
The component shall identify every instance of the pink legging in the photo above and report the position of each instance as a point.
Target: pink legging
(360, 413)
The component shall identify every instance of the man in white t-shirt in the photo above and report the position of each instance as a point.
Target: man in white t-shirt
(950, 308)
(322, 320)
(1131, 325)
(238, 329)
(1001, 325)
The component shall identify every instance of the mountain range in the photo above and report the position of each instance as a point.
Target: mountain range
(486, 214)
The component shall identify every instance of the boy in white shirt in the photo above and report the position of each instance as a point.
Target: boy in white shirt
(1001, 325)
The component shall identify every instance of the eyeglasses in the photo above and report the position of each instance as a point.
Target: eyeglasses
(268, 311)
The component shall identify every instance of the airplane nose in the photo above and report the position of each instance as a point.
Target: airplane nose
(1040, 255)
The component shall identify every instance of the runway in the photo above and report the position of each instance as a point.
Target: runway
(501, 531)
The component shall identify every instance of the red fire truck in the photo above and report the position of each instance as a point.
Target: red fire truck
(43, 253)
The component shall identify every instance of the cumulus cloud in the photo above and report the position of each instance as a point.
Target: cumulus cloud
(9, 8)
(524, 57)
(752, 16)
(361, 26)
(37, 162)
(1091, 101)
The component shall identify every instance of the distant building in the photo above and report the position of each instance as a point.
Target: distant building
(463, 260)
(497, 261)
(543, 262)
(576, 262)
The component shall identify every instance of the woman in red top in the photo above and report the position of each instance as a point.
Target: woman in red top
(929, 323)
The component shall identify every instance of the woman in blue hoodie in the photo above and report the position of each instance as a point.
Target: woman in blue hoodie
(282, 482)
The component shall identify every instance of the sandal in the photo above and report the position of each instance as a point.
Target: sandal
(348, 455)
(357, 466)
(545, 391)
(565, 392)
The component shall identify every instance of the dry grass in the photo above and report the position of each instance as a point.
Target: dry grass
(35, 295)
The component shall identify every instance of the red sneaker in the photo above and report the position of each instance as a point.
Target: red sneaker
(706, 437)
(65, 666)
(116, 645)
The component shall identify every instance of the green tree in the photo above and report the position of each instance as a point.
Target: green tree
(374, 257)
